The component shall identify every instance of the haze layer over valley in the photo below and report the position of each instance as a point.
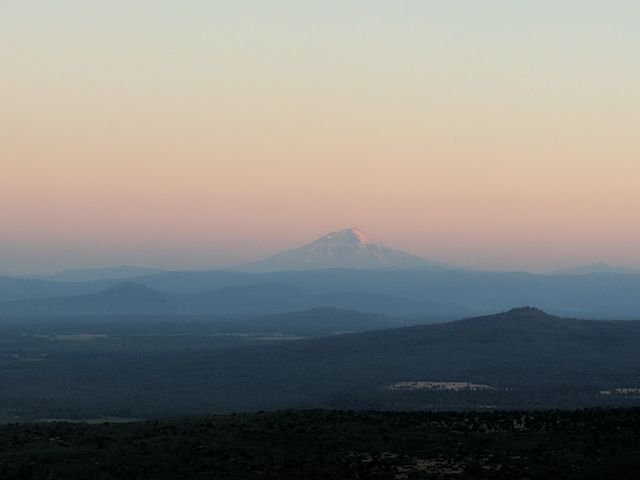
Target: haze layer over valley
(342, 269)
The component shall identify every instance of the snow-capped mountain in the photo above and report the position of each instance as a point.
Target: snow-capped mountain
(349, 248)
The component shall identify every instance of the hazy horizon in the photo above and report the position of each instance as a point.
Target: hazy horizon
(184, 135)
(239, 265)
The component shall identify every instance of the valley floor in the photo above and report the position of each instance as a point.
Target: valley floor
(332, 444)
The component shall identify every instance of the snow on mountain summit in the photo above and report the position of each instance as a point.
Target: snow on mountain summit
(353, 235)
(348, 248)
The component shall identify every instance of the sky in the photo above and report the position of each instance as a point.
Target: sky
(201, 134)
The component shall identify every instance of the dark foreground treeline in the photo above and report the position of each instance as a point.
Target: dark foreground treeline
(325, 444)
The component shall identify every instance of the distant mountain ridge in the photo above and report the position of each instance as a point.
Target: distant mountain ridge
(128, 298)
(446, 293)
(599, 267)
(348, 248)
(119, 299)
(107, 273)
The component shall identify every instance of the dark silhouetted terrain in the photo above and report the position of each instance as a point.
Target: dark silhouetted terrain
(591, 444)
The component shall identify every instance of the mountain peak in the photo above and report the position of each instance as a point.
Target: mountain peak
(516, 315)
(348, 248)
(527, 312)
(352, 235)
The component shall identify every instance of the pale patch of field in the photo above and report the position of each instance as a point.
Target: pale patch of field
(438, 386)
(623, 392)
(77, 337)
(431, 466)
(279, 337)
(92, 421)
(250, 336)
(22, 358)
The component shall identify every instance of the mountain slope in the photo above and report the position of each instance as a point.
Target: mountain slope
(349, 248)
(524, 346)
(14, 288)
(534, 358)
(110, 273)
(455, 293)
(526, 358)
(261, 299)
(598, 268)
(123, 298)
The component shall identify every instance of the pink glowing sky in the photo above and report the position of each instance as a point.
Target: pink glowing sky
(498, 135)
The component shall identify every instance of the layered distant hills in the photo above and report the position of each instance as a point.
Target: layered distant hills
(92, 274)
(439, 295)
(131, 298)
(343, 269)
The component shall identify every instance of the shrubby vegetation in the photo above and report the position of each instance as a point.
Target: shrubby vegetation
(598, 444)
